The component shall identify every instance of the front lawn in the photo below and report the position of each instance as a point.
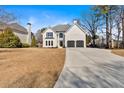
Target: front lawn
(119, 52)
(30, 67)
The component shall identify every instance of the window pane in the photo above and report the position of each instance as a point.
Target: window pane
(46, 43)
(61, 35)
(51, 43)
(49, 34)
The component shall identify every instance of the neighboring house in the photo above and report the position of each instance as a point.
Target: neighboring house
(101, 42)
(64, 36)
(24, 34)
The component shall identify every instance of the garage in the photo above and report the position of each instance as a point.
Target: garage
(70, 43)
(75, 37)
(79, 43)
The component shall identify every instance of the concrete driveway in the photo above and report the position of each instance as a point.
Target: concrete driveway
(95, 68)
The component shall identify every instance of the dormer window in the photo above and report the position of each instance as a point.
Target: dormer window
(61, 35)
(49, 34)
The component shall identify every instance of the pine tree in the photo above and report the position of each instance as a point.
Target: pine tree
(9, 40)
(33, 43)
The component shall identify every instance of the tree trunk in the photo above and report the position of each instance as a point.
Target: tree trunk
(107, 31)
(119, 31)
(93, 38)
(123, 28)
(94, 44)
(110, 35)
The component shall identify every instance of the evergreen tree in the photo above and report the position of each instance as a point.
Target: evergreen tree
(33, 43)
(9, 40)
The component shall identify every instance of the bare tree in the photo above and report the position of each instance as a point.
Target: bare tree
(107, 13)
(122, 13)
(6, 17)
(118, 36)
(91, 23)
(118, 22)
(103, 13)
(39, 36)
(113, 12)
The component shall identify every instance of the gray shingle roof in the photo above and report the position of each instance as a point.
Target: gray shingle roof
(58, 28)
(17, 27)
(2, 25)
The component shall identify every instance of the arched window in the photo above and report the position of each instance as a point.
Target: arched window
(61, 35)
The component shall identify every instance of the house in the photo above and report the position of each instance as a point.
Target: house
(24, 34)
(64, 36)
(101, 42)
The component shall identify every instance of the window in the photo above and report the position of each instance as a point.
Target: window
(61, 35)
(51, 43)
(49, 34)
(46, 43)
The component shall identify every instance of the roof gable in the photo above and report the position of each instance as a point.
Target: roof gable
(18, 28)
(15, 27)
(77, 26)
(46, 30)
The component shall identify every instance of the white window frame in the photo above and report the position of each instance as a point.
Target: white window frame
(61, 34)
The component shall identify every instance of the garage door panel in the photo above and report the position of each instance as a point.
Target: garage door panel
(70, 43)
(80, 43)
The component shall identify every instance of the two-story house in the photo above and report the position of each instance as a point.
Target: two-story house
(64, 36)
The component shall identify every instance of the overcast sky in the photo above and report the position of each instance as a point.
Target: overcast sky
(43, 16)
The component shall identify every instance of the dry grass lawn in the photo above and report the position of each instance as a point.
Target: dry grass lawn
(119, 52)
(30, 67)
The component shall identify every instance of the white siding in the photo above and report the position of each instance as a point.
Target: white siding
(29, 40)
(54, 38)
(75, 33)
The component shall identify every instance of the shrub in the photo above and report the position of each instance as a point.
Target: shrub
(88, 39)
(9, 40)
(24, 45)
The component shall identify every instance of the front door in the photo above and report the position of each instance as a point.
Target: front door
(61, 43)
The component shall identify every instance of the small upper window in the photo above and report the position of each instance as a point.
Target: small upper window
(61, 35)
(49, 34)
